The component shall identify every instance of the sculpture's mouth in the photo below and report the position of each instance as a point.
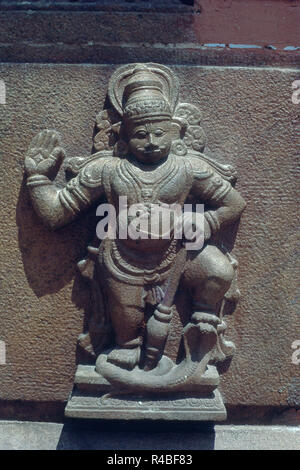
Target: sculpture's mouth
(152, 151)
(149, 149)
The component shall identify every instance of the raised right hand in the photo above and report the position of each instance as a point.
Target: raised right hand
(44, 154)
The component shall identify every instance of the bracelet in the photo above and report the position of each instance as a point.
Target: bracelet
(38, 180)
(212, 220)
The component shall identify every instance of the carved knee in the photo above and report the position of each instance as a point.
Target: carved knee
(216, 279)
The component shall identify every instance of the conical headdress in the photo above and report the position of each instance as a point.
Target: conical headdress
(143, 96)
(143, 90)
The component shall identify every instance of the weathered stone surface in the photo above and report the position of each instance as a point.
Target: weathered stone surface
(136, 280)
(236, 32)
(257, 438)
(88, 380)
(236, 22)
(251, 122)
(171, 407)
(16, 435)
(95, 398)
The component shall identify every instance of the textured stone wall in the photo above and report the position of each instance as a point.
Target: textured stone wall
(250, 121)
(213, 32)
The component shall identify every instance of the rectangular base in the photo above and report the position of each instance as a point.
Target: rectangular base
(90, 382)
(95, 398)
(117, 406)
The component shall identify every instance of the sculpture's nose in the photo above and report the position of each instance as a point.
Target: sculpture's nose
(150, 138)
(150, 145)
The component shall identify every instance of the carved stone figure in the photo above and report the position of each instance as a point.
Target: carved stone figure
(148, 151)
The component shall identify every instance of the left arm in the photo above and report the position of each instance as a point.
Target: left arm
(229, 210)
(225, 203)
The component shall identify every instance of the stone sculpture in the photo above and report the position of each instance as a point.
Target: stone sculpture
(149, 152)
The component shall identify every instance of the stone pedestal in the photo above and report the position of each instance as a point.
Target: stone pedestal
(93, 397)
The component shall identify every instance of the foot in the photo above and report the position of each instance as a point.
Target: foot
(206, 322)
(125, 358)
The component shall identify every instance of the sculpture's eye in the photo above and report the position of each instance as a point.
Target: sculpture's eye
(158, 132)
(140, 134)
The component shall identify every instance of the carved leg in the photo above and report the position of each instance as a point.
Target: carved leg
(208, 276)
(157, 332)
(126, 310)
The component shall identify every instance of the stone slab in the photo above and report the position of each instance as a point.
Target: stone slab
(16, 435)
(238, 22)
(235, 32)
(88, 380)
(252, 123)
(175, 407)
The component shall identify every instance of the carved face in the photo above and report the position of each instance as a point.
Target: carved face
(149, 139)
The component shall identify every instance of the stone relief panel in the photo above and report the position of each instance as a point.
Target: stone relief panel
(160, 267)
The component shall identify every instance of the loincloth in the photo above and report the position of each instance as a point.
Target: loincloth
(149, 271)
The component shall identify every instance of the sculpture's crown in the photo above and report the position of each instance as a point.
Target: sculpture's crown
(143, 95)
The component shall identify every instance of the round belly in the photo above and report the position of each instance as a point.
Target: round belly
(148, 230)
(147, 245)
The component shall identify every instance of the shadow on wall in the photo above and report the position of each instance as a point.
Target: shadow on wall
(50, 257)
(136, 435)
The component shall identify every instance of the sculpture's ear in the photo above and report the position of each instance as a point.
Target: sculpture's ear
(116, 128)
(178, 127)
(121, 146)
(119, 130)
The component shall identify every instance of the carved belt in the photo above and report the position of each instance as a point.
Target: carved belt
(128, 269)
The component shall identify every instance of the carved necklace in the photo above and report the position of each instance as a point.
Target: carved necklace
(138, 178)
